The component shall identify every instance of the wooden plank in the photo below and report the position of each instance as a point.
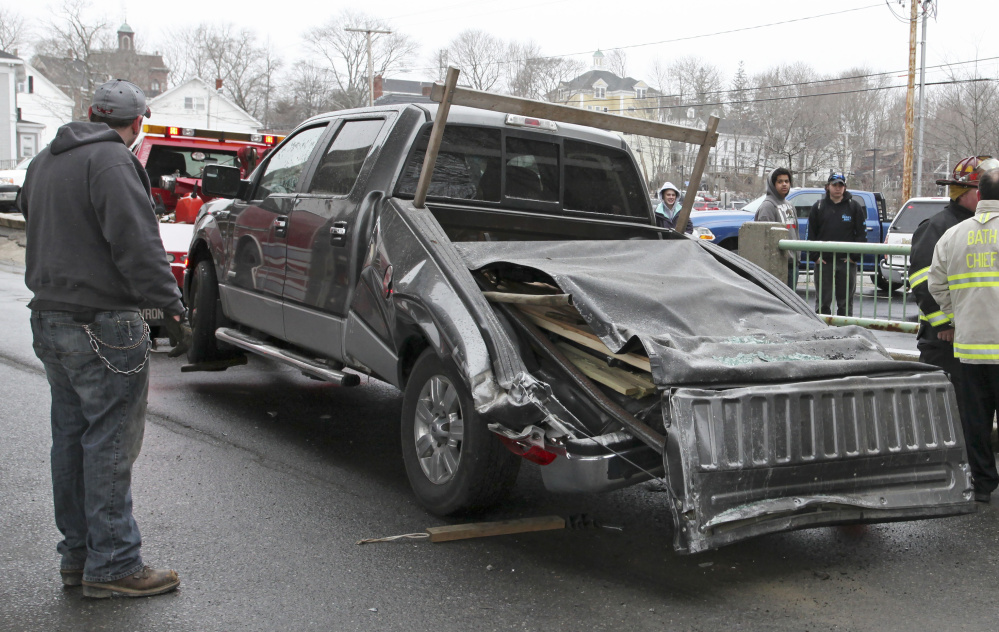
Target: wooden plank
(502, 527)
(616, 379)
(434, 144)
(586, 338)
(547, 300)
(578, 116)
(695, 175)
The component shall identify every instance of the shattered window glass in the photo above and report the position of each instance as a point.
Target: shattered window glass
(468, 165)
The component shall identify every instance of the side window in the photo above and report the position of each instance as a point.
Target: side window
(803, 203)
(342, 163)
(285, 167)
(531, 169)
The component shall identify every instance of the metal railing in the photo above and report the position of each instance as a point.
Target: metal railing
(872, 306)
(9, 164)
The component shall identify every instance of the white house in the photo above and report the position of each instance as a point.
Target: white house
(10, 65)
(194, 103)
(43, 107)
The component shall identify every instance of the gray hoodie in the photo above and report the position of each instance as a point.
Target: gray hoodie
(92, 236)
(774, 208)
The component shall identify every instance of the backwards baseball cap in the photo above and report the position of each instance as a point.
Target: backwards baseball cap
(836, 177)
(119, 99)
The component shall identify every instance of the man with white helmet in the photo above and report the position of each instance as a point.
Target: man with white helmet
(669, 208)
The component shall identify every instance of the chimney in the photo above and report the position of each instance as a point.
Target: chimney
(218, 85)
(377, 87)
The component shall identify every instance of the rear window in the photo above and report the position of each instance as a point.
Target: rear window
(914, 213)
(486, 165)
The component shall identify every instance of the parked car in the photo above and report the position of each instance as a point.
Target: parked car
(724, 225)
(894, 269)
(532, 311)
(11, 181)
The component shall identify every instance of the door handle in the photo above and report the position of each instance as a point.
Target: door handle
(338, 234)
(281, 226)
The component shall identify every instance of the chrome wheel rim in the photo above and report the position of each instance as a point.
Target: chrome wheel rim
(439, 430)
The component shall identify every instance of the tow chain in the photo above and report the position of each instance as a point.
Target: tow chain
(95, 344)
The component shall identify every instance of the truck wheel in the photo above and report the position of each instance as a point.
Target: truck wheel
(454, 463)
(203, 303)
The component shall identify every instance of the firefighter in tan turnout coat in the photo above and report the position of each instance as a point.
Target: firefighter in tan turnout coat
(964, 280)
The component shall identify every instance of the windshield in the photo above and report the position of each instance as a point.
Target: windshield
(914, 213)
(168, 160)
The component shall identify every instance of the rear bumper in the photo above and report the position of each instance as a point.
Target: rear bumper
(750, 461)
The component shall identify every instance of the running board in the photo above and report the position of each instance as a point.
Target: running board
(305, 365)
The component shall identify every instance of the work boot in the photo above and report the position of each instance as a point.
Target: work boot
(145, 583)
(71, 577)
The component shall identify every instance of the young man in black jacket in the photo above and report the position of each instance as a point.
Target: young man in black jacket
(94, 252)
(836, 217)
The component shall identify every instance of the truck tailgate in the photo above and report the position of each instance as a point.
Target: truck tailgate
(749, 461)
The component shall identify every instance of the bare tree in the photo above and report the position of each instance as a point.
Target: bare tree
(617, 62)
(345, 52)
(532, 75)
(76, 40)
(309, 89)
(793, 136)
(12, 30)
(213, 51)
(478, 55)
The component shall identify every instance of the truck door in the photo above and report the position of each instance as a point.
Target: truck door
(323, 234)
(256, 265)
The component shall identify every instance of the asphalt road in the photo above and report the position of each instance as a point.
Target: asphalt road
(256, 483)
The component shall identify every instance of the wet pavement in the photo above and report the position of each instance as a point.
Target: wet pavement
(256, 483)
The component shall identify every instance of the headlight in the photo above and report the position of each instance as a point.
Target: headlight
(702, 232)
(6, 180)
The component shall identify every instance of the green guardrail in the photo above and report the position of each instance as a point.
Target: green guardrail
(872, 321)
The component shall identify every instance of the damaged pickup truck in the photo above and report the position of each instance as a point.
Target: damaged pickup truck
(504, 271)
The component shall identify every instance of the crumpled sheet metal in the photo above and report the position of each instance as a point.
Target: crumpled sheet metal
(699, 321)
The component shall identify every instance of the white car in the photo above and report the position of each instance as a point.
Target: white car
(11, 181)
(894, 269)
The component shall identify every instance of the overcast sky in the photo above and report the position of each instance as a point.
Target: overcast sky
(829, 36)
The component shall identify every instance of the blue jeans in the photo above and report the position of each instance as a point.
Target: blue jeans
(98, 418)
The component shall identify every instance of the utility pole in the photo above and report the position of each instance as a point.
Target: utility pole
(927, 4)
(371, 71)
(910, 97)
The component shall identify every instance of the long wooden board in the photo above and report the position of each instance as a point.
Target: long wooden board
(540, 317)
(620, 380)
(502, 527)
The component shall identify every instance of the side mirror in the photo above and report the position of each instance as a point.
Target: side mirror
(222, 181)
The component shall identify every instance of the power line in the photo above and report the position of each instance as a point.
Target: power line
(680, 39)
(794, 96)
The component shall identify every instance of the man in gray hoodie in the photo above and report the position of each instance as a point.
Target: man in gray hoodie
(775, 208)
(93, 252)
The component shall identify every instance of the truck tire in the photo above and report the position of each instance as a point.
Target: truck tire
(454, 463)
(203, 303)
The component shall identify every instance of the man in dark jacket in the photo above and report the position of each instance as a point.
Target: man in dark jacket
(775, 208)
(93, 253)
(836, 217)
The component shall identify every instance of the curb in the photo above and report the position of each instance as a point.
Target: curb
(12, 220)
